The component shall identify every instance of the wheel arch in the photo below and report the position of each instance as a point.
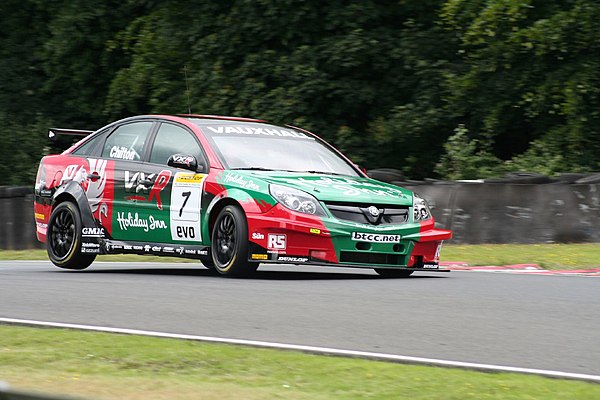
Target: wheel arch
(73, 192)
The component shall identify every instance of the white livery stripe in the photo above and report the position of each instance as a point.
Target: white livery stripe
(314, 349)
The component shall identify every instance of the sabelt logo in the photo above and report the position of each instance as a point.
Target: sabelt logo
(375, 237)
(189, 178)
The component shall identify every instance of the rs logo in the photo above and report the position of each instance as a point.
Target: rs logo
(186, 232)
(277, 242)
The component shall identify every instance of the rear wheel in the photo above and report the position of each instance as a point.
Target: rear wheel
(63, 242)
(230, 243)
(393, 273)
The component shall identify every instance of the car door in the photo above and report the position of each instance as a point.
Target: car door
(176, 206)
(125, 148)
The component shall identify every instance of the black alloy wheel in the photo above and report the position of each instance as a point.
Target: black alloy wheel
(230, 243)
(63, 241)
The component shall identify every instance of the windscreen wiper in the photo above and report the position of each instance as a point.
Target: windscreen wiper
(252, 169)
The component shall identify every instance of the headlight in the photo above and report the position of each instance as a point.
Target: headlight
(296, 200)
(420, 208)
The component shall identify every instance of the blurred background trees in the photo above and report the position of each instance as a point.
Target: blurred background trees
(451, 89)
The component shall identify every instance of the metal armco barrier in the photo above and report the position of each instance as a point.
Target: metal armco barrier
(475, 212)
(515, 213)
(17, 224)
(7, 394)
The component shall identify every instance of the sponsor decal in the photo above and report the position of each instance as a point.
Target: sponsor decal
(232, 177)
(186, 199)
(259, 256)
(46, 192)
(257, 236)
(92, 232)
(315, 231)
(179, 250)
(74, 172)
(86, 250)
(41, 226)
(291, 259)
(127, 247)
(252, 130)
(202, 252)
(190, 251)
(96, 188)
(277, 242)
(123, 153)
(168, 249)
(348, 186)
(133, 183)
(430, 265)
(138, 248)
(156, 248)
(189, 178)
(39, 216)
(90, 245)
(375, 237)
(183, 159)
(134, 221)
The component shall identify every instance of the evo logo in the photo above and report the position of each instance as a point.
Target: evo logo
(186, 232)
(276, 242)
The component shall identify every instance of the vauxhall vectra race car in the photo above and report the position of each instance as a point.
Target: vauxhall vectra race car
(231, 192)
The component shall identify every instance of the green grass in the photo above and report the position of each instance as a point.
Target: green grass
(549, 256)
(109, 366)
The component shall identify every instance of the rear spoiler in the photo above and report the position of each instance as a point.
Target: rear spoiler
(54, 132)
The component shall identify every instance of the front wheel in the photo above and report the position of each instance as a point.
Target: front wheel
(393, 273)
(230, 243)
(63, 242)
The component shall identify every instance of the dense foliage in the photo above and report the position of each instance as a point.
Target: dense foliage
(455, 88)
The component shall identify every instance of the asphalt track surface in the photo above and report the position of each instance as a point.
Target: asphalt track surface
(541, 322)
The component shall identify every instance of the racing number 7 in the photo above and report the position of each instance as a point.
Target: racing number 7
(187, 197)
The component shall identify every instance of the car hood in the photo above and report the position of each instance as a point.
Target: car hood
(335, 188)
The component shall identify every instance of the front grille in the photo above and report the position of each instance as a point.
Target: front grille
(357, 212)
(371, 258)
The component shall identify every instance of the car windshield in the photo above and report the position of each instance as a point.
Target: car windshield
(243, 145)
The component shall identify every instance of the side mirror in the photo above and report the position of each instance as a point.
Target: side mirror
(184, 161)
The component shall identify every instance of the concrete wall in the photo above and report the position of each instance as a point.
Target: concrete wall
(515, 213)
(17, 224)
(475, 212)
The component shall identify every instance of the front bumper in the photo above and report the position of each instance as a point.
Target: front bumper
(283, 236)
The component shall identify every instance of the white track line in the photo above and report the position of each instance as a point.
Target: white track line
(313, 349)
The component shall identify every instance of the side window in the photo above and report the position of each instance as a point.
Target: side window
(172, 139)
(127, 141)
(91, 146)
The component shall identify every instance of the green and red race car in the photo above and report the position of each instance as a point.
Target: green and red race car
(231, 192)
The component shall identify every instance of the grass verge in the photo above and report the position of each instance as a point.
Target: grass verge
(109, 366)
(549, 256)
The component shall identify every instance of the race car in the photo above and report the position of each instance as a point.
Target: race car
(231, 192)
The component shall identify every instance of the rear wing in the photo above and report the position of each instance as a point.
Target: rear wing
(53, 133)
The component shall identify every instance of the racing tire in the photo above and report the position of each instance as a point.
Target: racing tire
(63, 241)
(208, 263)
(393, 273)
(229, 248)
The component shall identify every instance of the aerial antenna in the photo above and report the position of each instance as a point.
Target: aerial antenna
(187, 89)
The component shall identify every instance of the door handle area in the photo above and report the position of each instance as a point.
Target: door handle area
(94, 176)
